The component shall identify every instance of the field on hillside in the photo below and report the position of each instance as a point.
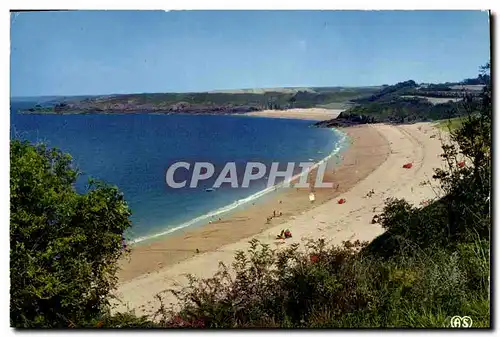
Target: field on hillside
(435, 100)
(450, 124)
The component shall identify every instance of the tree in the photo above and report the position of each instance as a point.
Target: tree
(63, 245)
(468, 187)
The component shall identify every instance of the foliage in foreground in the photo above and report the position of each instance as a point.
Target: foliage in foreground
(337, 288)
(63, 246)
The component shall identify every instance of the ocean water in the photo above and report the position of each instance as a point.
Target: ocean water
(133, 151)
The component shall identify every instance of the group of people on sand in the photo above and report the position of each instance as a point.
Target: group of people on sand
(370, 193)
(275, 214)
(212, 221)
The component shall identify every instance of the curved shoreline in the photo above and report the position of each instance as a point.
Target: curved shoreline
(227, 209)
(148, 262)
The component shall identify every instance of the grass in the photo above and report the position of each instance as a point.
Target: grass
(450, 124)
(335, 105)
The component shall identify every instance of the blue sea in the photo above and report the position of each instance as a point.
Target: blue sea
(133, 152)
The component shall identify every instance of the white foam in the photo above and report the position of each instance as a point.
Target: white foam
(340, 145)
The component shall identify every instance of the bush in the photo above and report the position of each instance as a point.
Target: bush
(332, 287)
(63, 246)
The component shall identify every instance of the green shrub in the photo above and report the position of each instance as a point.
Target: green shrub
(63, 246)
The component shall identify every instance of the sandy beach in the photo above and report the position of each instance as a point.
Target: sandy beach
(373, 162)
(316, 114)
(368, 147)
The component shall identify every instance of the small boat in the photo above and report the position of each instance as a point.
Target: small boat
(210, 189)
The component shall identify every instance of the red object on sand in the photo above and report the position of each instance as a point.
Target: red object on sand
(341, 201)
(407, 166)
(461, 164)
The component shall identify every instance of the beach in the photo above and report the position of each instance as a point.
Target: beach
(316, 114)
(373, 161)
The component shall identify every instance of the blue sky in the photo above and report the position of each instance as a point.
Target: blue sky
(105, 52)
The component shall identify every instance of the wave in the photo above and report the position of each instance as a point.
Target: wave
(341, 145)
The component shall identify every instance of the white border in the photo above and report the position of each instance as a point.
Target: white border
(186, 4)
(256, 4)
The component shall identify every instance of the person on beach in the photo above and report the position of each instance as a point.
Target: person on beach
(281, 235)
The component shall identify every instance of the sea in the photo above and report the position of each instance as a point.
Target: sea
(134, 151)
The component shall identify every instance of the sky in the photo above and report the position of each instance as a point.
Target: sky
(113, 52)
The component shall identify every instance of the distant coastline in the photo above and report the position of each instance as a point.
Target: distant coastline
(205, 103)
(404, 102)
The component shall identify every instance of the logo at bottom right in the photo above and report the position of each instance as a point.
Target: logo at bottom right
(461, 322)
